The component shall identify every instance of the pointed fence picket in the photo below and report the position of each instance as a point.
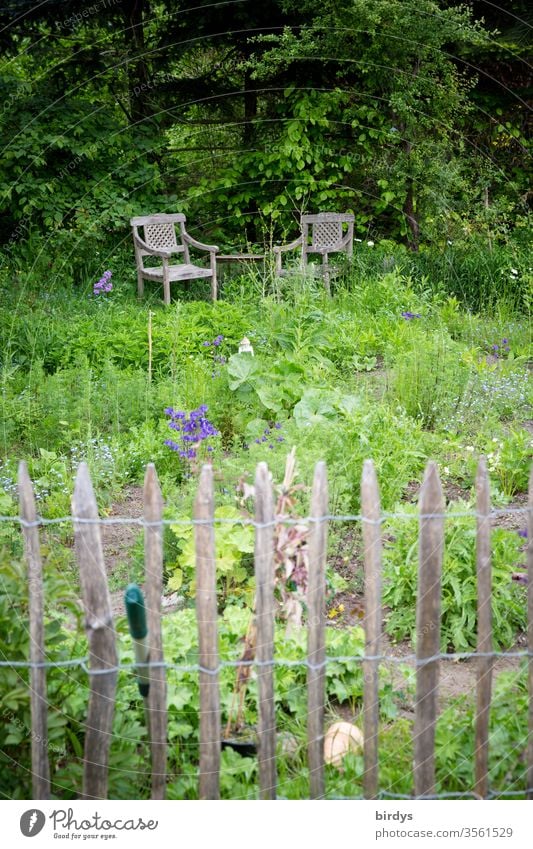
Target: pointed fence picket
(371, 512)
(39, 712)
(484, 625)
(316, 632)
(428, 630)
(103, 655)
(153, 578)
(206, 612)
(264, 612)
(529, 556)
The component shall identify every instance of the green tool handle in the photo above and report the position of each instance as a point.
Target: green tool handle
(142, 655)
(136, 614)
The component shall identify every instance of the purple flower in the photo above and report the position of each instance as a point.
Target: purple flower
(193, 429)
(409, 315)
(171, 444)
(495, 347)
(280, 439)
(522, 533)
(258, 441)
(277, 426)
(505, 341)
(104, 284)
(206, 344)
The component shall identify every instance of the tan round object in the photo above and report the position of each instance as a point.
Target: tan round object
(341, 738)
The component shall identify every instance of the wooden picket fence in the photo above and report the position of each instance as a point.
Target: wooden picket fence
(103, 659)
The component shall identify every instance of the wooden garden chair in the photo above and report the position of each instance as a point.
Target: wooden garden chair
(323, 234)
(162, 238)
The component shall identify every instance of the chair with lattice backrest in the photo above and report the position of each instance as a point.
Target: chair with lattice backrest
(160, 240)
(323, 234)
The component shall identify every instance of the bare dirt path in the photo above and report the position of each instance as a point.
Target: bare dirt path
(119, 541)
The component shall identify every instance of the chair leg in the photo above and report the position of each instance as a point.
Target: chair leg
(166, 290)
(325, 271)
(213, 259)
(140, 284)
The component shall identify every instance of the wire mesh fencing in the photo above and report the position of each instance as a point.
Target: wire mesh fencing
(307, 552)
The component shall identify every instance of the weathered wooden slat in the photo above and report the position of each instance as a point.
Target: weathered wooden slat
(40, 765)
(264, 579)
(431, 544)
(529, 561)
(370, 504)
(484, 629)
(100, 634)
(316, 646)
(153, 574)
(206, 612)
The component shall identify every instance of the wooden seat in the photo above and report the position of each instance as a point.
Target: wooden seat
(321, 234)
(161, 240)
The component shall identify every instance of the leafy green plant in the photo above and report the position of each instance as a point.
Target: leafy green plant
(428, 377)
(234, 544)
(459, 582)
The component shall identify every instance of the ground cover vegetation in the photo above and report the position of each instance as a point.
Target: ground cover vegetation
(244, 117)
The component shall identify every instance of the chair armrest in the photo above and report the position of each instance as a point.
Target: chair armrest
(199, 245)
(297, 242)
(139, 243)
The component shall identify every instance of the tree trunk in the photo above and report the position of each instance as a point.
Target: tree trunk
(409, 212)
(138, 76)
(248, 138)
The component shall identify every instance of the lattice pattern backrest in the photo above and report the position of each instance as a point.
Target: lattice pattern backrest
(160, 235)
(326, 234)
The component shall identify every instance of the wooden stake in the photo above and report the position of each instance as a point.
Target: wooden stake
(101, 637)
(370, 504)
(484, 625)
(529, 560)
(206, 612)
(39, 703)
(428, 630)
(316, 645)
(264, 574)
(153, 576)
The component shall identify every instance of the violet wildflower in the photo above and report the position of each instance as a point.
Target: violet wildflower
(409, 315)
(193, 430)
(104, 284)
(522, 533)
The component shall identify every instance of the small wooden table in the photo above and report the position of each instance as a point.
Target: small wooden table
(228, 259)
